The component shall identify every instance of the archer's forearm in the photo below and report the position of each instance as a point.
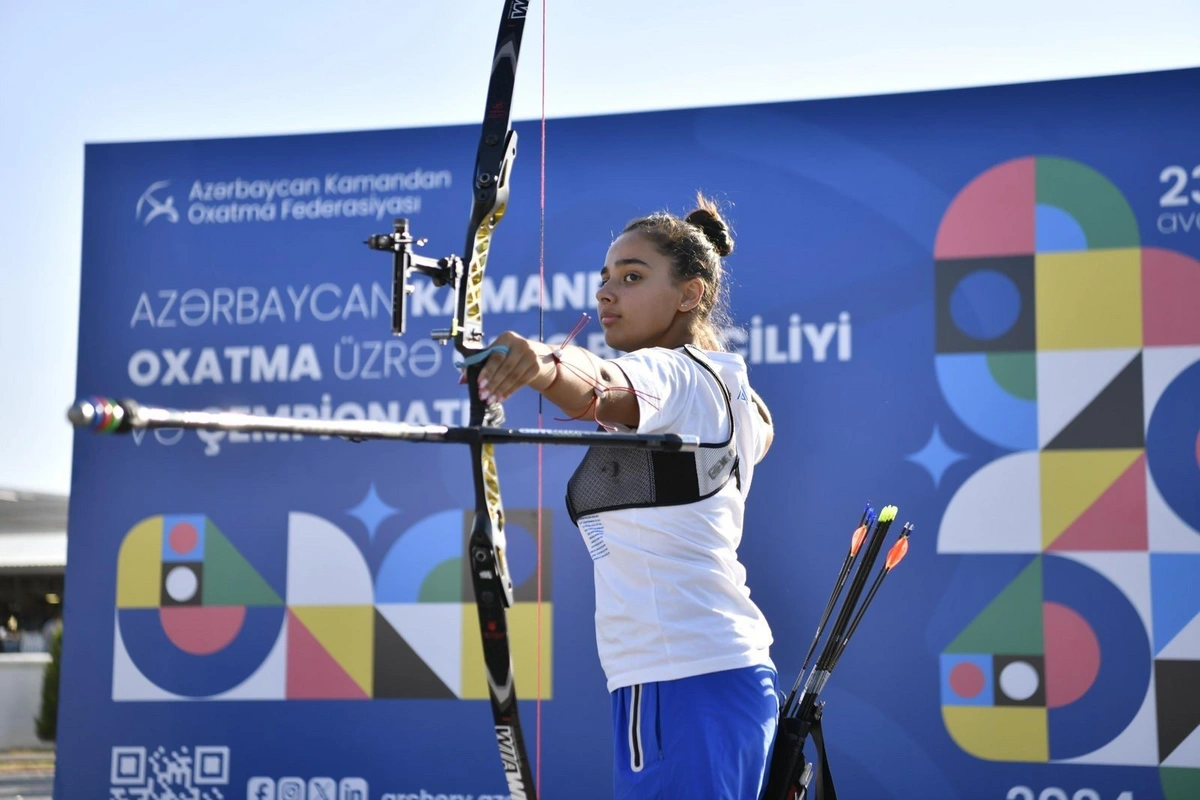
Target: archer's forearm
(569, 377)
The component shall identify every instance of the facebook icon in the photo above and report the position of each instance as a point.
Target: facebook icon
(260, 789)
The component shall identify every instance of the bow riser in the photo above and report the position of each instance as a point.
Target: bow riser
(491, 201)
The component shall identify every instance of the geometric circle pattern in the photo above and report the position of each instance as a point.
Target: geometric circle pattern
(196, 619)
(1020, 680)
(985, 304)
(183, 538)
(967, 680)
(1059, 638)
(1173, 446)
(182, 584)
(1062, 339)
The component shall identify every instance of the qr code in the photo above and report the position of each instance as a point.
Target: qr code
(197, 773)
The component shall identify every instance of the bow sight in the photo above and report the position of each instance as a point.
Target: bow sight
(442, 271)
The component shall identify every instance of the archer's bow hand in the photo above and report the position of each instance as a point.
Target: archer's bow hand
(516, 361)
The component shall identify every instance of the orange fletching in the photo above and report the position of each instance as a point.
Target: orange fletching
(898, 551)
(857, 540)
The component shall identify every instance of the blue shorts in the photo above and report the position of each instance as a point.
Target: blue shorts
(709, 736)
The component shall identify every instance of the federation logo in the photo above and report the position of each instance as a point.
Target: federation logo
(150, 207)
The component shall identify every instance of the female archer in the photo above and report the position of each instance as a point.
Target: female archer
(684, 648)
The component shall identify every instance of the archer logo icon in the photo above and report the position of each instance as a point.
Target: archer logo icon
(152, 207)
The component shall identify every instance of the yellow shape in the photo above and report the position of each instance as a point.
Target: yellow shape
(1088, 300)
(1074, 479)
(523, 641)
(999, 733)
(348, 634)
(139, 566)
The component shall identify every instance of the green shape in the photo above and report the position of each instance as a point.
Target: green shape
(443, 584)
(1015, 372)
(1096, 204)
(1179, 783)
(1012, 623)
(229, 580)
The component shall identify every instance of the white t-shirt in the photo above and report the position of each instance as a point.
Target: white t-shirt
(671, 596)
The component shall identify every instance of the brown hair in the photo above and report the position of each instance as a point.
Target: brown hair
(696, 245)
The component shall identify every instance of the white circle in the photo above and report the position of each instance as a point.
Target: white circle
(1019, 680)
(182, 584)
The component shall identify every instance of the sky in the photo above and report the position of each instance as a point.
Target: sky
(73, 73)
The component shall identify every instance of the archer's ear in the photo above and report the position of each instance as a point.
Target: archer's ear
(693, 292)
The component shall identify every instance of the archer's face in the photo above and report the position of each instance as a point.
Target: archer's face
(640, 304)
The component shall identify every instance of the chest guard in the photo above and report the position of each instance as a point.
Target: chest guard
(611, 478)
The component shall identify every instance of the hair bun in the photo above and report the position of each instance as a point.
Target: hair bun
(715, 230)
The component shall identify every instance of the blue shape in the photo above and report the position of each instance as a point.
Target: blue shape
(985, 304)
(1114, 698)
(936, 456)
(178, 671)
(1171, 445)
(986, 696)
(419, 550)
(1175, 594)
(522, 552)
(169, 521)
(983, 405)
(372, 511)
(1056, 231)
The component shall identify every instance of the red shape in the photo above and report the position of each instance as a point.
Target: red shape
(1116, 521)
(966, 680)
(1170, 286)
(1072, 654)
(313, 674)
(992, 216)
(201, 630)
(183, 538)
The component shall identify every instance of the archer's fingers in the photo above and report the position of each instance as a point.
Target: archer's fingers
(487, 374)
(506, 340)
(519, 370)
(510, 375)
(498, 371)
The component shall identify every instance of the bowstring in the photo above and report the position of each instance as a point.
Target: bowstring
(537, 747)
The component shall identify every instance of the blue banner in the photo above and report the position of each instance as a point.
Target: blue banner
(976, 304)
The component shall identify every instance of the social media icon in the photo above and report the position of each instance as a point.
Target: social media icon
(352, 789)
(292, 789)
(322, 789)
(260, 788)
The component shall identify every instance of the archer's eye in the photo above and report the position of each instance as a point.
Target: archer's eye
(632, 277)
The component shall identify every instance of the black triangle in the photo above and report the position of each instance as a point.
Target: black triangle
(1113, 420)
(399, 671)
(1178, 703)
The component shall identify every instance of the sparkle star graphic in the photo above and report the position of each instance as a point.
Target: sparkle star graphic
(372, 511)
(936, 456)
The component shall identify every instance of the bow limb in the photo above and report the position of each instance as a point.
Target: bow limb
(486, 548)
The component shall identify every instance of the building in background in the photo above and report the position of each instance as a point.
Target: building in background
(33, 558)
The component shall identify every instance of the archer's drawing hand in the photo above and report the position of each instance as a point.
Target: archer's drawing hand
(527, 363)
